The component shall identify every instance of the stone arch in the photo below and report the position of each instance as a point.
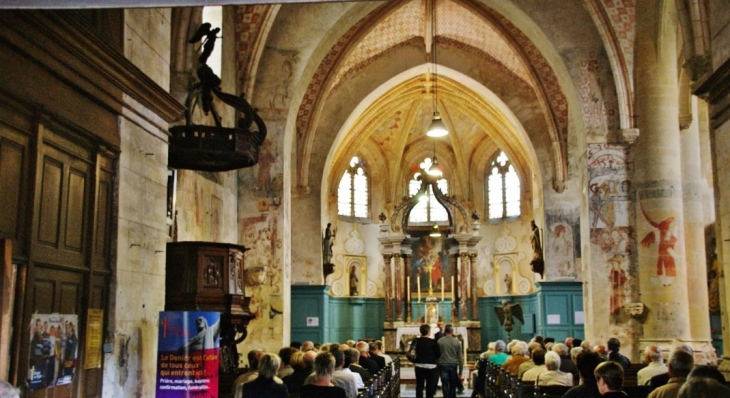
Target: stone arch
(552, 100)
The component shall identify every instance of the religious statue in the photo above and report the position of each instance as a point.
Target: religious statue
(198, 146)
(508, 282)
(327, 243)
(506, 314)
(538, 263)
(353, 281)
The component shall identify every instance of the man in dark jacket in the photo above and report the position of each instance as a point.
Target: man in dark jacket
(365, 361)
(613, 355)
(427, 354)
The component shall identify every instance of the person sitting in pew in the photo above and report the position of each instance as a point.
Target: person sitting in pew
(538, 357)
(609, 379)
(586, 362)
(655, 365)
(553, 376)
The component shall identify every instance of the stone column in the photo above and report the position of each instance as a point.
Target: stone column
(388, 287)
(407, 260)
(658, 180)
(398, 275)
(474, 288)
(463, 277)
(693, 194)
(453, 257)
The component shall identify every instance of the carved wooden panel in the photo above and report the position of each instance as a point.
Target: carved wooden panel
(63, 200)
(103, 213)
(12, 161)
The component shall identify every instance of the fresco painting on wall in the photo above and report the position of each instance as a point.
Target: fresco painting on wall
(665, 241)
(611, 232)
(560, 246)
(430, 263)
(264, 281)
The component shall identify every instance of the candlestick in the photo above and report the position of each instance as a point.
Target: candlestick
(453, 290)
(442, 289)
(418, 286)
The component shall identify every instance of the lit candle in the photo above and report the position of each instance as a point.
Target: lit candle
(418, 286)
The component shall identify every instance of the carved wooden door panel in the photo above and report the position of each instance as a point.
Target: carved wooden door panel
(66, 270)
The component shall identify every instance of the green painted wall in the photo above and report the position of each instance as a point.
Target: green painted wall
(318, 317)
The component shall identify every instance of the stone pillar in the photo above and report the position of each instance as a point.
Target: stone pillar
(474, 288)
(658, 182)
(463, 278)
(407, 261)
(388, 288)
(694, 233)
(398, 275)
(453, 257)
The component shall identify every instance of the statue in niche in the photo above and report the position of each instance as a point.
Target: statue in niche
(508, 283)
(538, 263)
(353, 281)
(506, 313)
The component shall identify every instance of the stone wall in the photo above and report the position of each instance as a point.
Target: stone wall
(139, 288)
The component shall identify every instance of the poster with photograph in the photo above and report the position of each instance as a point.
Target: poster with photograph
(188, 352)
(53, 350)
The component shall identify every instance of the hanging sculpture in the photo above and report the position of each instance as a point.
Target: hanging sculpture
(214, 148)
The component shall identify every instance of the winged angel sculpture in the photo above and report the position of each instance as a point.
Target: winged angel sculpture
(506, 313)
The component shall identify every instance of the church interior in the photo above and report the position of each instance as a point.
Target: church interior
(336, 170)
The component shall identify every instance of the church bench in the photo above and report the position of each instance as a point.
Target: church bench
(630, 373)
(637, 391)
(525, 389)
(551, 391)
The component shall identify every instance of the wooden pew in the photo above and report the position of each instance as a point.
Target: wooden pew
(551, 391)
(637, 391)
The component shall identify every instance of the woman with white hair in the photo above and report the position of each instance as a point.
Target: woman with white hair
(264, 385)
(322, 387)
(553, 376)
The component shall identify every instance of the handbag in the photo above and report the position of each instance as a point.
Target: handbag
(410, 355)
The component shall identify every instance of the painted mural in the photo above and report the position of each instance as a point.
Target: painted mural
(264, 280)
(612, 269)
(597, 104)
(562, 234)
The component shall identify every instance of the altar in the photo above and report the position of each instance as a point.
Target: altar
(415, 332)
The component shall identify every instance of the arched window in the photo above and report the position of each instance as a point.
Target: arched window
(352, 193)
(503, 189)
(428, 210)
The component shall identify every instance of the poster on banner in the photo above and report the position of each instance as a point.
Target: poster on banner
(187, 356)
(53, 350)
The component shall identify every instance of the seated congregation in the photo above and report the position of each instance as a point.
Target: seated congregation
(578, 369)
(309, 370)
